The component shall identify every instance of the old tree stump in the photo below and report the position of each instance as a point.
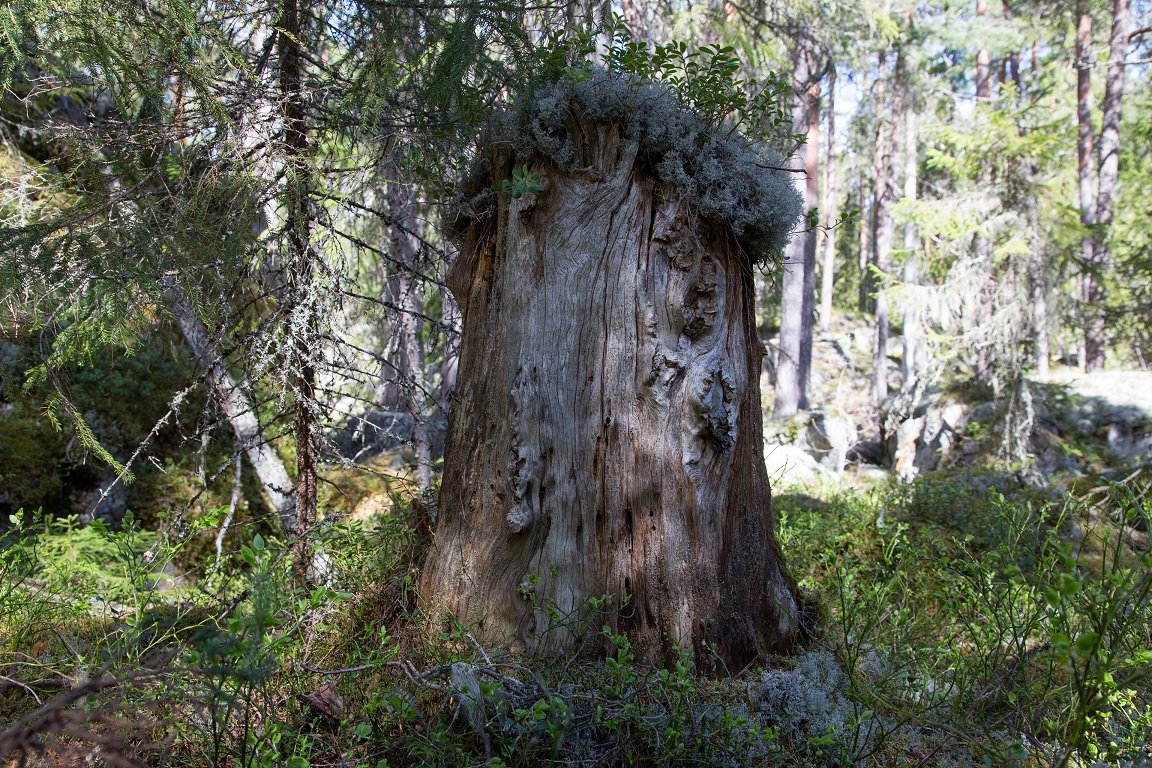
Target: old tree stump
(606, 438)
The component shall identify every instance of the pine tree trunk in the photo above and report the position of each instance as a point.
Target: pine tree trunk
(794, 362)
(606, 436)
(983, 60)
(863, 254)
(1090, 285)
(1037, 268)
(883, 239)
(915, 345)
(879, 182)
(981, 244)
(1109, 172)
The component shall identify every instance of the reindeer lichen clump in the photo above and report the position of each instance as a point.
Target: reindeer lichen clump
(721, 174)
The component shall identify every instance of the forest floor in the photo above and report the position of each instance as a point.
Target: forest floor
(969, 613)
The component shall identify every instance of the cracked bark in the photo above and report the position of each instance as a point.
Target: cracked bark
(606, 436)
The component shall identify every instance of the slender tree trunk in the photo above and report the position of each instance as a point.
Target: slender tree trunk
(1110, 124)
(883, 238)
(303, 313)
(863, 252)
(1038, 278)
(1037, 266)
(831, 211)
(1094, 341)
(249, 436)
(606, 435)
(1089, 288)
(406, 250)
(811, 202)
(1040, 322)
(915, 345)
(794, 361)
(982, 245)
(882, 253)
(879, 180)
(636, 20)
(450, 316)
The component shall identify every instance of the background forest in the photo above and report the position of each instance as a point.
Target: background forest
(229, 353)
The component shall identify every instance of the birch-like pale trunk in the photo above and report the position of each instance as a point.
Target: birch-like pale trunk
(606, 436)
(233, 503)
(811, 202)
(1037, 274)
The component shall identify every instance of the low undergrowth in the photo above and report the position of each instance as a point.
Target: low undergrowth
(966, 621)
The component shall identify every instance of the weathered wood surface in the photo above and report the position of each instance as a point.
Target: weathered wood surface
(606, 438)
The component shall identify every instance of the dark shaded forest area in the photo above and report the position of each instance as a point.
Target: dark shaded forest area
(622, 383)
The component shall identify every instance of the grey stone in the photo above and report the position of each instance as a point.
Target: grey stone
(789, 464)
(828, 437)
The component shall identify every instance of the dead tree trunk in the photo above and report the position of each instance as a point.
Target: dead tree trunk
(249, 436)
(303, 312)
(606, 437)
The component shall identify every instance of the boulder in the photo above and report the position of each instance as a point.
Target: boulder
(906, 441)
(919, 429)
(790, 464)
(828, 438)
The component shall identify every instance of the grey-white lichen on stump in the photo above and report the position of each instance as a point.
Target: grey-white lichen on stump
(606, 435)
